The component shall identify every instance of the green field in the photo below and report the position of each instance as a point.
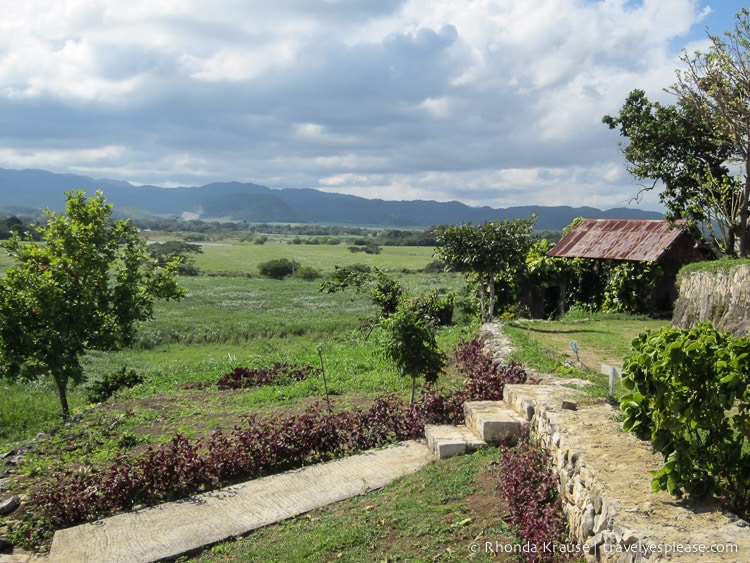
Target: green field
(230, 321)
(243, 258)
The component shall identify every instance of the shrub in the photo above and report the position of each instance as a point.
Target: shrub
(279, 372)
(529, 485)
(436, 305)
(434, 267)
(308, 273)
(276, 269)
(100, 391)
(689, 394)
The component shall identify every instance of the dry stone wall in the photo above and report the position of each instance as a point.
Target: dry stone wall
(605, 485)
(605, 480)
(722, 297)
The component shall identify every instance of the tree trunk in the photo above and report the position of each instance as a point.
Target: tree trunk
(491, 304)
(745, 200)
(62, 392)
(482, 300)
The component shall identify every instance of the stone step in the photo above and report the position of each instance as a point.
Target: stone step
(446, 441)
(523, 398)
(493, 421)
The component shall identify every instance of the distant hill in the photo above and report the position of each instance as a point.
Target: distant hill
(234, 201)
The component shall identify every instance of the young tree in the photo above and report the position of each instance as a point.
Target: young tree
(409, 342)
(85, 287)
(385, 292)
(489, 251)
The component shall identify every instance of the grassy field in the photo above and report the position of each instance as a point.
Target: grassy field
(244, 258)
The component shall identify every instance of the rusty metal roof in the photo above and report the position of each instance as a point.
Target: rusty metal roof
(617, 239)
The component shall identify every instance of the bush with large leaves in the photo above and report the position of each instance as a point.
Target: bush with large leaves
(689, 395)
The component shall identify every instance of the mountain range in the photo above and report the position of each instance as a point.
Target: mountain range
(27, 191)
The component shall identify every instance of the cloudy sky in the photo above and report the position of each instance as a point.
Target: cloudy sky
(489, 102)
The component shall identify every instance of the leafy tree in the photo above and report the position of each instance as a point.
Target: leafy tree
(672, 145)
(171, 250)
(494, 251)
(699, 149)
(409, 342)
(86, 287)
(716, 86)
(10, 225)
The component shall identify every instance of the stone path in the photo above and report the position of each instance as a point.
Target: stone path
(170, 530)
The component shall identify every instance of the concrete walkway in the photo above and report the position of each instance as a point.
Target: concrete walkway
(169, 530)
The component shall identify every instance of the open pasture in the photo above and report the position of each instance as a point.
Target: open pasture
(244, 257)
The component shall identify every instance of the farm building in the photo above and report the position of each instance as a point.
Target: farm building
(670, 246)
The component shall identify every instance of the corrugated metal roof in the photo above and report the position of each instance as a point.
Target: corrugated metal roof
(617, 239)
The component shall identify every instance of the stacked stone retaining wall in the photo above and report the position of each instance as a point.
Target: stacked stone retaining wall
(722, 297)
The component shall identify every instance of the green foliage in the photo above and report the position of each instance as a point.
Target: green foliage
(629, 287)
(673, 146)
(172, 250)
(689, 395)
(384, 291)
(434, 267)
(436, 306)
(494, 253)
(277, 269)
(692, 147)
(103, 389)
(86, 287)
(409, 342)
(367, 248)
(9, 226)
(308, 273)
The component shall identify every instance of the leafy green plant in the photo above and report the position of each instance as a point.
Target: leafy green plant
(385, 292)
(409, 342)
(436, 306)
(103, 389)
(689, 394)
(629, 287)
(277, 269)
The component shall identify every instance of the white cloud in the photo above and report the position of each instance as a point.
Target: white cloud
(490, 101)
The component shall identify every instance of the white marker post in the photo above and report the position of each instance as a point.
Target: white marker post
(612, 372)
